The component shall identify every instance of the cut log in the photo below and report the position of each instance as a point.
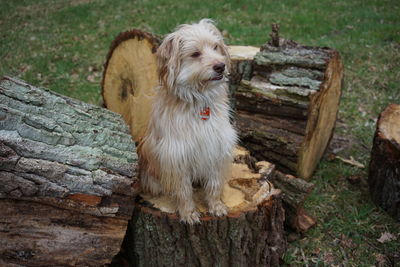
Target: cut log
(287, 102)
(384, 167)
(67, 175)
(130, 78)
(294, 191)
(250, 235)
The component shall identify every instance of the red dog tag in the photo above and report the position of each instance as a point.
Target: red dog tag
(205, 114)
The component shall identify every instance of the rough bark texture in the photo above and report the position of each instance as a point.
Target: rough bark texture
(254, 238)
(67, 171)
(251, 235)
(287, 99)
(384, 168)
(295, 191)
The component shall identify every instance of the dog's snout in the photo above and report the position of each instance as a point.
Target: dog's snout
(219, 68)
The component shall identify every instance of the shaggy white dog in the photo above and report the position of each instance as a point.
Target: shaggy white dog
(189, 137)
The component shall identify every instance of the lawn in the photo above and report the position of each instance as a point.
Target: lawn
(62, 45)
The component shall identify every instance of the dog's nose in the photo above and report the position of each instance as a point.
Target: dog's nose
(219, 68)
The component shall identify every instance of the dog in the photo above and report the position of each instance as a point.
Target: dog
(189, 139)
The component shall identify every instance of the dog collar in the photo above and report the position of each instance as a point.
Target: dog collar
(205, 113)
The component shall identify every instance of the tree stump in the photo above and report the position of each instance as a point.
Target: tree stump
(250, 235)
(67, 175)
(384, 167)
(287, 98)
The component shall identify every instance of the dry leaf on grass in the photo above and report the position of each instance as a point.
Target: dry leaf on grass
(386, 237)
(329, 258)
(347, 242)
(380, 260)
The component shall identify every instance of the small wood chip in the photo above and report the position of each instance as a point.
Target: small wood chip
(352, 162)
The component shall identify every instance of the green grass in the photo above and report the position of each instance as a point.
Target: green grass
(59, 44)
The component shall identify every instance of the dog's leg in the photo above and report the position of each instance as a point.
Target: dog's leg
(185, 205)
(150, 184)
(213, 189)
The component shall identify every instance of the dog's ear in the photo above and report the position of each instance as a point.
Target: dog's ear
(225, 52)
(210, 24)
(168, 59)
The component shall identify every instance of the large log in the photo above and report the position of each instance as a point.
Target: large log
(384, 167)
(130, 78)
(67, 175)
(287, 98)
(250, 235)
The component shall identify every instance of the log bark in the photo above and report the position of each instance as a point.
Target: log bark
(287, 98)
(384, 167)
(250, 235)
(295, 192)
(67, 176)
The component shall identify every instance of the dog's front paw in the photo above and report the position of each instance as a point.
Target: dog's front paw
(190, 217)
(217, 208)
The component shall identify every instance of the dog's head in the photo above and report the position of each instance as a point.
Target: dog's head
(194, 56)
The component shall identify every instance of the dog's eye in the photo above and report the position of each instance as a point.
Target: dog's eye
(215, 47)
(195, 54)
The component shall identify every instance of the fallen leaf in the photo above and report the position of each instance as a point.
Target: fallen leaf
(331, 157)
(91, 78)
(347, 242)
(24, 67)
(329, 258)
(380, 260)
(386, 237)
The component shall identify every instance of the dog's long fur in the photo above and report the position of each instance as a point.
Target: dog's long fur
(179, 148)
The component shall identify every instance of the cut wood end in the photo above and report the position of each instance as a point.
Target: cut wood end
(130, 79)
(241, 152)
(264, 166)
(240, 52)
(244, 191)
(322, 119)
(389, 123)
